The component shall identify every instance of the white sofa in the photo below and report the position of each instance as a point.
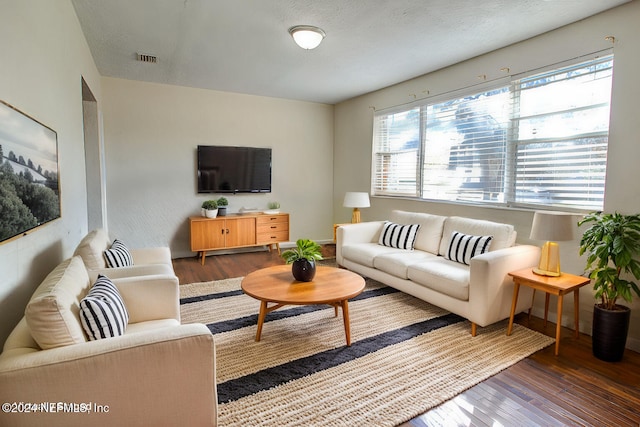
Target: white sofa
(159, 373)
(480, 292)
(146, 261)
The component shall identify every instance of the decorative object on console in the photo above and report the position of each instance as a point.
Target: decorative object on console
(222, 206)
(356, 200)
(613, 247)
(307, 36)
(274, 208)
(552, 227)
(303, 259)
(210, 208)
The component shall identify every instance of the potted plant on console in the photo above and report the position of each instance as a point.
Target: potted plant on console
(210, 208)
(222, 206)
(303, 259)
(613, 247)
(274, 208)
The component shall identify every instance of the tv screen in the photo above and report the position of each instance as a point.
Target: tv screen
(226, 169)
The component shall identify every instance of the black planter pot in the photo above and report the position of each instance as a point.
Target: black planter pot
(222, 211)
(303, 270)
(609, 332)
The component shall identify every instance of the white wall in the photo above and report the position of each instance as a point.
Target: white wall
(353, 124)
(151, 134)
(43, 55)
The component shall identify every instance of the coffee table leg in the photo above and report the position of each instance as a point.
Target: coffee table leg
(345, 317)
(261, 316)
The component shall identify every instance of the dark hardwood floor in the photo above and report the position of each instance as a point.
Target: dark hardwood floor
(572, 389)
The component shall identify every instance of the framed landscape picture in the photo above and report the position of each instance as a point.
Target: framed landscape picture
(29, 189)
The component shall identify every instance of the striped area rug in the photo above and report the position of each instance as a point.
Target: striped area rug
(406, 357)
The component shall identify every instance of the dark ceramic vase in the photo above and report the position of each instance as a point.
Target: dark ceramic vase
(609, 333)
(303, 270)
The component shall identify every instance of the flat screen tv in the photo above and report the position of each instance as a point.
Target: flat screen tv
(228, 169)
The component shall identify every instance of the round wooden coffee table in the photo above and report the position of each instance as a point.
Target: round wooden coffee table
(276, 285)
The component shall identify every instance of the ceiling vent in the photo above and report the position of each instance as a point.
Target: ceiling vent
(143, 57)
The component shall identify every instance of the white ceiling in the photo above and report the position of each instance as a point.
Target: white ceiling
(243, 45)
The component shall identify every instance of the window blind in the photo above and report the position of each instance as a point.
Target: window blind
(539, 140)
(561, 138)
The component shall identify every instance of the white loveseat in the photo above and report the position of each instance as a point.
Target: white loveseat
(480, 292)
(146, 261)
(159, 373)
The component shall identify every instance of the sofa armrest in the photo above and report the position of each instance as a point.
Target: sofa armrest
(159, 255)
(362, 232)
(150, 297)
(491, 288)
(157, 377)
(132, 271)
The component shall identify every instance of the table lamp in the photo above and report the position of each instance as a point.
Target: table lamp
(356, 200)
(552, 227)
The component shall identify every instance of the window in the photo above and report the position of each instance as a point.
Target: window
(537, 140)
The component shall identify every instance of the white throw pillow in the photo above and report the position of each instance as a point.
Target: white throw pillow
(463, 247)
(118, 255)
(102, 311)
(398, 236)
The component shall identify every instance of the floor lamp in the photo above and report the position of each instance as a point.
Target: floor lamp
(356, 200)
(552, 227)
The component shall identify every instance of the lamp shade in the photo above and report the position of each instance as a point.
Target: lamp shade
(356, 200)
(552, 226)
(307, 36)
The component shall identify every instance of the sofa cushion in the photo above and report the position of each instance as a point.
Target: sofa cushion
(430, 233)
(441, 275)
(102, 311)
(118, 255)
(463, 247)
(365, 253)
(397, 264)
(504, 235)
(52, 312)
(91, 248)
(398, 236)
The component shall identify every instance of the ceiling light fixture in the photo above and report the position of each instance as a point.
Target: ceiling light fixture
(307, 36)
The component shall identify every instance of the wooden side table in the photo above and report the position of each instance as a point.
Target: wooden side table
(559, 286)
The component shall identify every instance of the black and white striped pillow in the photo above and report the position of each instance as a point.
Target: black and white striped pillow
(398, 236)
(463, 247)
(118, 255)
(102, 311)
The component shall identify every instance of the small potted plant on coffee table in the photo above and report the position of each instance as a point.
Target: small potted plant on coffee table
(303, 259)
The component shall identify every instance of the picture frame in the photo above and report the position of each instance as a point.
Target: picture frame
(29, 171)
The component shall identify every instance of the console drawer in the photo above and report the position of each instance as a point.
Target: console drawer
(272, 237)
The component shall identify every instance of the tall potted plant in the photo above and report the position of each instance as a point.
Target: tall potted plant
(612, 243)
(303, 257)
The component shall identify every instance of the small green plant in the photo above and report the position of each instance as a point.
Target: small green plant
(613, 246)
(274, 205)
(209, 205)
(305, 249)
(222, 201)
